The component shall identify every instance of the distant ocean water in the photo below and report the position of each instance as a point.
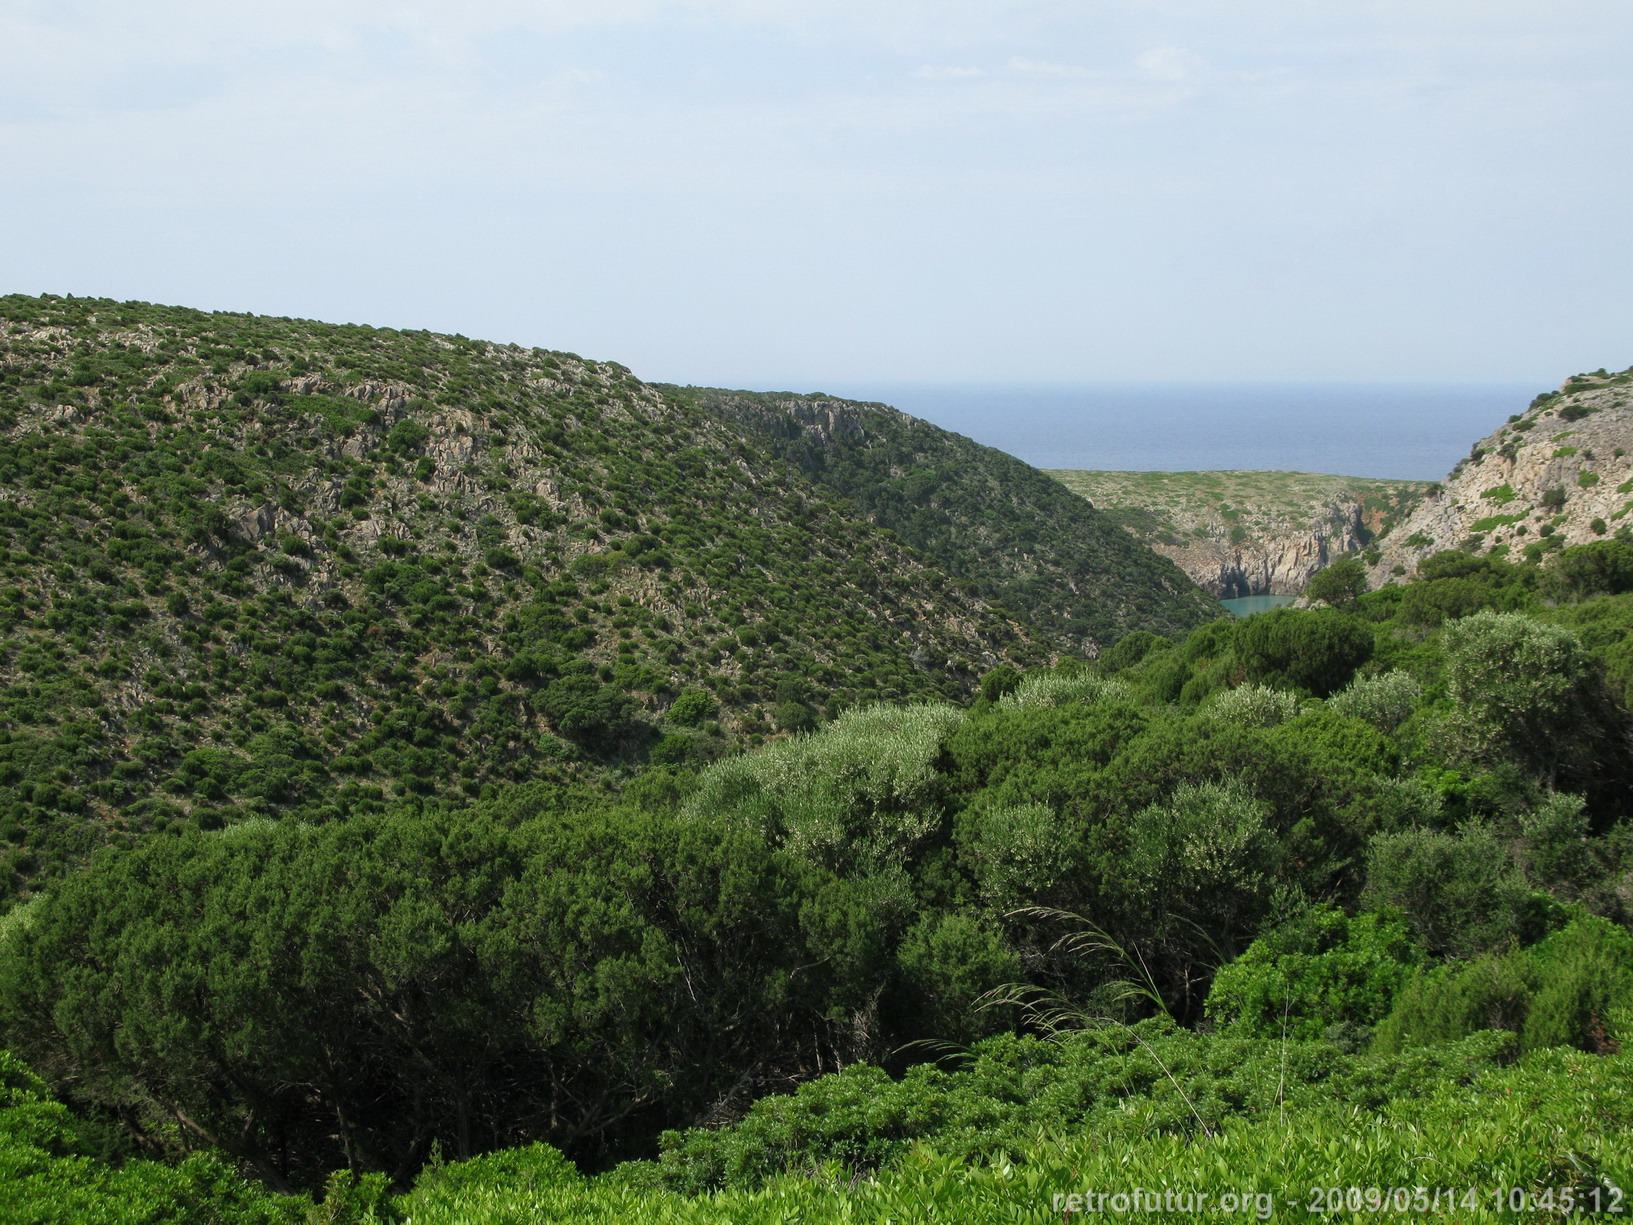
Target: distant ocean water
(1403, 431)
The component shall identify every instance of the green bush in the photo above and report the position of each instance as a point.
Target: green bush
(862, 792)
(1518, 688)
(948, 963)
(55, 1171)
(1338, 585)
(691, 707)
(1384, 701)
(1461, 892)
(1014, 1100)
(1602, 567)
(1316, 651)
(528, 1169)
(407, 436)
(1555, 849)
(538, 966)
(1202, 862)
(1252, 706)
(1321, 973)
(1436, 601)
(1016, 854)
(1568, 990)
(1054, 689)
(585, 710)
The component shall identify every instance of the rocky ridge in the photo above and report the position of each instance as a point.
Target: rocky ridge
(1558, 474)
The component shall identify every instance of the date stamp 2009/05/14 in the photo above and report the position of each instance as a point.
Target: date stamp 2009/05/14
(1598, 1199)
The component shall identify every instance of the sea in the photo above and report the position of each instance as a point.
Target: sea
(1399, 431)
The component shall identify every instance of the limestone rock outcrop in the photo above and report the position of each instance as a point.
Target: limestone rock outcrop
(1558, 474)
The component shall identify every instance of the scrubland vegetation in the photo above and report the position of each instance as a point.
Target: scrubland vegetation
(257, 566)
(368, 863)
(1321, 898)
(1004, 528)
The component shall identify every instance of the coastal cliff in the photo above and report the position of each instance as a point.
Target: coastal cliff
(1246, 532)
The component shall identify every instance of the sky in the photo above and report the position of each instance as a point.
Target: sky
(791, 193)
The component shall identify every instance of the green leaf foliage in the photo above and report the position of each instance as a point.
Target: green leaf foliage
(311, 997)
(53, 1171)
(1573, 989)
(1319, 973)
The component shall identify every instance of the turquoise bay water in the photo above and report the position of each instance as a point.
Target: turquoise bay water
(1404, 431)
(1247, 605)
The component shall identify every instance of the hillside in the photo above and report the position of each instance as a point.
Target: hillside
(1557, 474)
(1248, 533)
(1004, 528)
(1370, 866)
(263, 565)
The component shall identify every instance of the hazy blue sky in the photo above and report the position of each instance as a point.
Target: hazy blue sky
(764, 193)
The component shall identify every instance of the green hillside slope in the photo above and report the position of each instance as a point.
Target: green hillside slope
(255, 565)
(1015, 536)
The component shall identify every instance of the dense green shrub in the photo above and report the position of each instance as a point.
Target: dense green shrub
(1202, 862)
(1526, 693)
(1475, 1126)
(948, 964)
(1131, 649)
(1016, 855)
(1253, 706)
(861, 792)
(1042, 688)
(1603, 567)
(1385, 701)
(1461, 892)
(1436, 601)
(1140, 1081)
(1339, 585)
(530, 968)
(1321, 973)
(691, 707)
(1573, 989)
(54, 1171)
(1316, 651)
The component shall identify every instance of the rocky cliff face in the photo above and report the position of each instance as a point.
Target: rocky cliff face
(1558, 474)
(1278, 564)
(1248, 533)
